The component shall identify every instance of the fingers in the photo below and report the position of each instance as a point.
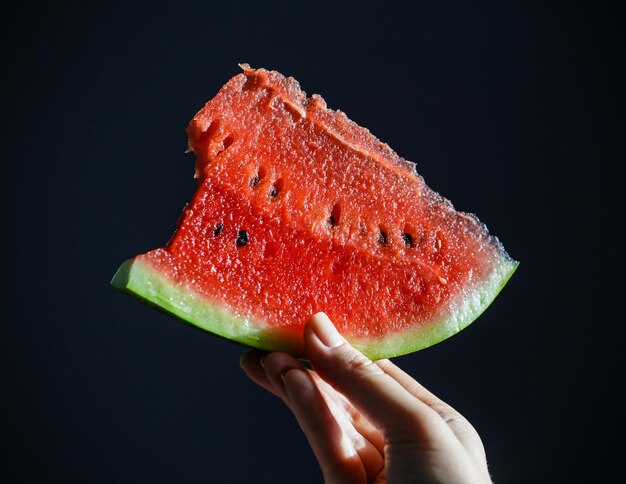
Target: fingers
(350, 416)
(333, 449)
(412, 386)
(383, 400)
(342, 409)
(349, 402)
(460, 426)
(250, 362)
(291, 381)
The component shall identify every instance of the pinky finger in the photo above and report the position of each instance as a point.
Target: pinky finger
(333, 449)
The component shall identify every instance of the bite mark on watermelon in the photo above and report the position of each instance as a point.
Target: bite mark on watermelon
(300, 210)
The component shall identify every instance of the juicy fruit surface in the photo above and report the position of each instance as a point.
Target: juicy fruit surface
(300, 210)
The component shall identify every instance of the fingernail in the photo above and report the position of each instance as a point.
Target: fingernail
(325, 331)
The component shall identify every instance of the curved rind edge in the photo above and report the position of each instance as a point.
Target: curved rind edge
(468, 306)
(140, 279)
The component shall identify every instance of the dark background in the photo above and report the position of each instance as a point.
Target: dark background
(508, 109)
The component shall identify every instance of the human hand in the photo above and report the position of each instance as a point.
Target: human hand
(369, 422)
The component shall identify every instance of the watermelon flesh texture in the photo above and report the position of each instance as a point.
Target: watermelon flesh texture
(300, 210)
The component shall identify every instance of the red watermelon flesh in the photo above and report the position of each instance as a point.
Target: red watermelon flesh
(300, 210)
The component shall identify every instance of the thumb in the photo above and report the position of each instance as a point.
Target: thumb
(385, 403)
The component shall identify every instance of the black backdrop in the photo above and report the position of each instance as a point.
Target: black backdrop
(507, 110)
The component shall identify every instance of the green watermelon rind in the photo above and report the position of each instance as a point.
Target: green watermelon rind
(460, 313)
(141, 279)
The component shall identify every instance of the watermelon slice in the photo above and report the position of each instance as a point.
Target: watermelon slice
(300, 210)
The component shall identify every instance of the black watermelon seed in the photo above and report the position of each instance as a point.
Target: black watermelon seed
(254, 181)
(408, 240)
(382, 238)
(272, 193)
(218, 229)
(335, 215)
(242, 238)
(228, 141)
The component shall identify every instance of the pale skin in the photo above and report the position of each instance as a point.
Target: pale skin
(369, 422)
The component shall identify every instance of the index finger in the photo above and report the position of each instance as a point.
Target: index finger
(386, 403)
